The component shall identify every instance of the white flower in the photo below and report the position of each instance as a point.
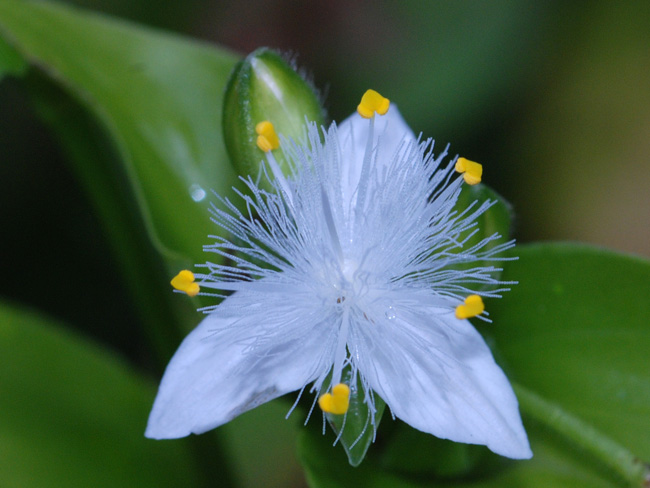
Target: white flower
(348, 263)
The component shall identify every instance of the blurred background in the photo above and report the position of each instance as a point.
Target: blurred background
(553, 98)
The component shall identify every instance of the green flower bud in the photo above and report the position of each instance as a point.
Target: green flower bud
(264, 87)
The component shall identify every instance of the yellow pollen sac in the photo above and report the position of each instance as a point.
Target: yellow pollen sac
(472, 171)
(267, 139)
(372, 102)
(336, 402)
(473, 306)
(184, 281)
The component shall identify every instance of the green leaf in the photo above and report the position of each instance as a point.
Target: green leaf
(157, 96)
(74, 415)
(575, 331)
(139, 115)
(11, 63)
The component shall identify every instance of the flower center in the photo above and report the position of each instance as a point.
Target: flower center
(347, 286)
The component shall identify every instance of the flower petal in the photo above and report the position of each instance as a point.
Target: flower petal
(390, 131)
(437, 374)
(391, 128)
(238, 357)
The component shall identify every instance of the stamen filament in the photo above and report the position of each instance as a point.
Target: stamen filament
(365, 173)
(267, 141)
(331, 226)
(341, 347)
(279, 176)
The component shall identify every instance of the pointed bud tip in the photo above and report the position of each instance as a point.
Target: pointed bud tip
(265, 87)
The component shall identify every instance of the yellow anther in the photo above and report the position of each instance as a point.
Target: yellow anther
(336, 402)
(184, 281)
(473, 306)
(472, 171)
(267, 139)
(372, 102)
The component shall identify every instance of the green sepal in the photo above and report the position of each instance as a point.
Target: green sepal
(264, 86)
(356, 427)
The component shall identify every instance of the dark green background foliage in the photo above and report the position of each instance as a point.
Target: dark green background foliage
(109, 129)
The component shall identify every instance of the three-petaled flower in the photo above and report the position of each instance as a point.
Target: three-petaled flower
(350, 263)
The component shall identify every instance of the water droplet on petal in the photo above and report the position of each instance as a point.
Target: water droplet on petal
(390, 313)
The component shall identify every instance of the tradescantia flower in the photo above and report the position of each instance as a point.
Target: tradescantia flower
(350, 264)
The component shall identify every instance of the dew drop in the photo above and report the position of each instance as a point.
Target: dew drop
(197, 193)
(390, 313)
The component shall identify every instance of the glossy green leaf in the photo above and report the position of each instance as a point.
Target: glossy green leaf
(11, 62)
(73, 415)
(138, 113)
(159, 99)
(576, 331)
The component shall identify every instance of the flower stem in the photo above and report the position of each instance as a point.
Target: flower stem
(611, 454)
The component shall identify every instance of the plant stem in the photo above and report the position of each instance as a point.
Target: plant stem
(611, 454)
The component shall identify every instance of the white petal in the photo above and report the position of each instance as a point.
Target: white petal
(437, 374)
(233, 363)
(392, 133)
(393, 130)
